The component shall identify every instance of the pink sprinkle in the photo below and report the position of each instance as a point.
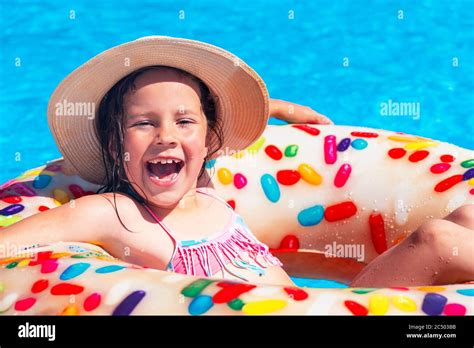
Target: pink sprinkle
(53, 168)
(23, 190)
(342, 175)
(454, 309)
(49, 266)
(439, 168)
(471, 191)
(24, 305)
(330, 149)
(240, 180)
(92, 302)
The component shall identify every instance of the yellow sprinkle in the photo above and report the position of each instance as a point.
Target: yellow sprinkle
(9, 260)
(9, 220)
(23, 263)
(225, 176)
(239, 154)
(36, 172)
(2, 287)
(404, 303)
(471, 182)
(403, 139)
(378, 304)
(256, 146)
(61, 196)
(263, 307)
(59, 255)
(309, 174)
(431, 288)
(70, 310)
(419, 145)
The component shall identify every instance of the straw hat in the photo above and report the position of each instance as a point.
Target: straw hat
(242, 95)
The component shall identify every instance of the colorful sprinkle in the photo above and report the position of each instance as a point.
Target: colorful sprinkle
(446, 158)
(309, 174)
(200, 305)
(403, 139)
(418, 156)
(61, 196)
(439, 168)
(433, 304)
(12, 209)
(43, 208)
(236, 304)
(330, 149)
(231, 203)
(446, 184)
(359, 144)
(342, 175)
(41, 181)
(343, 144)
(240, 181)
(307, 129)
(419, 145)
(356, 308)
(377, 232)
(288, 177)
(196, 287)
(70, 310)
(92, 302)
(364, 134)
(311, 216)
(291, 150)
(74, 271)
(66, 289)
(231, 292)
(76, 191)
(296, 294)
(468, 163)
(25, 304)
(12, 265)
(290, 242)
(225, 176)
(255, 147)
(48, 266)
(397, 153)
(39, 286)
(433, 288)
(273, 152)
(129, 303)
(363, 291)
(469, 174)
(209, 164)
(11, 199)
(404, 303)
(340, 211)
(378, 304)
(466, 292)
(270, 187)
(53, 167)
(455, 309)
(263, 307)
(109, 269)
(23, 190)
(6, 221)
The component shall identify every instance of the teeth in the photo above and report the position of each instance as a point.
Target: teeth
(165, 161)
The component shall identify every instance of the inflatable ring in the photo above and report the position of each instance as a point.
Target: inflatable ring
(303, 190)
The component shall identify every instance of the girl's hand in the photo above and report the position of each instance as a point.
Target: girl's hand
(295, 113)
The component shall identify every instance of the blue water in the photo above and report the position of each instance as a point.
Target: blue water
(301, 60)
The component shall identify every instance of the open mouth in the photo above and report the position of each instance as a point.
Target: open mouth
(164, 170)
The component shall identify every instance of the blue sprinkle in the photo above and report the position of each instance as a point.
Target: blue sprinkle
(466, 292)
(311, 216)
(359, 144)
(109, 269)
(343, 144)
(74, 271)
(12, 209)
(468, 174)
(200, 305)
(433, 304)
(41, 181)
(270, 187)
(210, 164)
(127, 306)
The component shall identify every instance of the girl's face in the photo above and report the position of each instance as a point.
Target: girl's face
(165, 136)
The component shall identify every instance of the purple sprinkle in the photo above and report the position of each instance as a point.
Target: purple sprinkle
(129, 303)
(344, 144)
(468, 174)
(12, 209)
(23, 190)
(433, 304)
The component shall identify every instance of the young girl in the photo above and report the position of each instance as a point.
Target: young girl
(165, 106)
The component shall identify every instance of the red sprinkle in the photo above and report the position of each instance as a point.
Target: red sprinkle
(39, 286)
(377, 232)
(43, 208)
(446, 184)
(446, 158)
(418, 156)
(439, 168)
(92, 302)
(288, 177)
(66, 289)
(289, 243)
(342, 175)
(296, 293)
(231, 292)
(400, 288)
(356, 308)
(364, 134)
(231, 203)
(12, 199)
(49, 266)
(24, 305)
(76, 191)
(307, 129)
(40, 257)
(397, 153)
(340, 211)
(471, 191)
(273, 152)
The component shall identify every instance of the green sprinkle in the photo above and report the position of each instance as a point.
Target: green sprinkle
(363, 291)
(12, 265)
(468, 163)
(255, 147)
(291, 150)
(236, 304)
(196, 287)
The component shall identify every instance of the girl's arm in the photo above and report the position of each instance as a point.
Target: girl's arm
(295, 113)
(81, 220)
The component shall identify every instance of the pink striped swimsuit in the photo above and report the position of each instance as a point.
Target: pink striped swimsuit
(234, 244)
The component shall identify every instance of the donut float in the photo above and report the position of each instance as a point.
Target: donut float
(317, 195)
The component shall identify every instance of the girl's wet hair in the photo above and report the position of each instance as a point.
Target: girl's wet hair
(110, 131)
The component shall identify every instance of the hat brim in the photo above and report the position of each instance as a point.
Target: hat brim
(242, 97)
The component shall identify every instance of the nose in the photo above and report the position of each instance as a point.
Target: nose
(165, 135)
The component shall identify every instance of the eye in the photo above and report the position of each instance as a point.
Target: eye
(143, 124)
(185, 122)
